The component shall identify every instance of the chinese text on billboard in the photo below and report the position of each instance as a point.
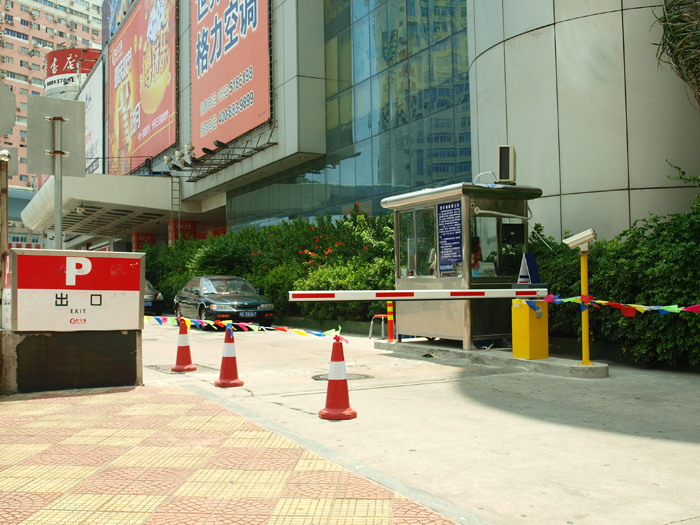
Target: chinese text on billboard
(230, 69)
(142, 86)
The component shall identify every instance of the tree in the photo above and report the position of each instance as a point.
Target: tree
(680, 44)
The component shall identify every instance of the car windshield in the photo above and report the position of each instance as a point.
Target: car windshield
(228, 286)
(149, 286)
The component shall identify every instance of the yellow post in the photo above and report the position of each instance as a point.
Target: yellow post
(584, 315)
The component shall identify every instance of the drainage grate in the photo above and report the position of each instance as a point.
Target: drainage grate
(167, 369)
(324, 377)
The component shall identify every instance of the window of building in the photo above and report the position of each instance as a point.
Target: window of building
(9, 133)
(16, 76)
(49, 31)
(49, 17)
(83, 3)
(24, 50)
(36, 67)
(36, 26)
(9, 18)
(8, 60)
(20, 120)
(95, 32)
(24, 63)
(35, 93)
(86, 29)
(9, 45)
(24, 22)
(36, 13)
(73, 25)
(9, 4)
(86, 42)
(72, 38)
(24, 8)
(23, 106)
(96, 8)
(62, 21)
(23, 178)
(23, 91)
(38, 81)
(16, 34)
(41, 42)
(22, 160)
(60, 34)
(61, 8)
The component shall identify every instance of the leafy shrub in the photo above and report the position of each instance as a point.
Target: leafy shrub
(355, 274)
(653, 263)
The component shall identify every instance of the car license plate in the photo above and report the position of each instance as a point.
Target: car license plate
(148, 303)
(248, 314)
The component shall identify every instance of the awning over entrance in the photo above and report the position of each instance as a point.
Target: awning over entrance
(114, 206)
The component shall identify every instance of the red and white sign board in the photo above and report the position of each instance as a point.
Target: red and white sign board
(74, 290)
(7, 296)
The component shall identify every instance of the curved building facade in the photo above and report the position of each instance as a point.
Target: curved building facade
(575, 87)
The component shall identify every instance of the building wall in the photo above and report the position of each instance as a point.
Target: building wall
(397, 115)
(29, 30)
(575, 87)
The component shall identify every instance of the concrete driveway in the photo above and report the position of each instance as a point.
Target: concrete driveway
(478, 444)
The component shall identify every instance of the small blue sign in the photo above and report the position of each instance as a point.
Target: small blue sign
(450, 234)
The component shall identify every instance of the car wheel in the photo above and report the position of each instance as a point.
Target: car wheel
(178, 312)
(266, 324)
(201, 313)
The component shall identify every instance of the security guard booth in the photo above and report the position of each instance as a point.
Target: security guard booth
(462, 236)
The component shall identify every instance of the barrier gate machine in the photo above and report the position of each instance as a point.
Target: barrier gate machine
(462, 236)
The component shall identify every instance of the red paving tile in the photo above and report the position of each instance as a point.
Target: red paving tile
(353, 486)
(407, 512)
(312, 485)
(92, 410)
(159, 481)
(17, 506)
(109, 481)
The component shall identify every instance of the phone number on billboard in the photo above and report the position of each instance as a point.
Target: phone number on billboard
(236, 107)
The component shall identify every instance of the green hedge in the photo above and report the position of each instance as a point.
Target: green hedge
(654, 263)
(354, 252)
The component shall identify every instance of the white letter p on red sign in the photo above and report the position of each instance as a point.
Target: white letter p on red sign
(72, 269)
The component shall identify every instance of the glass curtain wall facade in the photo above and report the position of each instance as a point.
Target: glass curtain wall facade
(397, 113)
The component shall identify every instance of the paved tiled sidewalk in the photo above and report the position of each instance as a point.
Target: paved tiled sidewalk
(165, 455)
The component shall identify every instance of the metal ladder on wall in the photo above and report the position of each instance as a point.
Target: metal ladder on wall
(175, 200)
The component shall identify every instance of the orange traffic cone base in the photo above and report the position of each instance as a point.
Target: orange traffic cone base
(228, 382)
(184, 368)
(338, 413)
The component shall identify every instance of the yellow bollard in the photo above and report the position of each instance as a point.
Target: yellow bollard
(584, 315)
(390, 312)
(530, 330)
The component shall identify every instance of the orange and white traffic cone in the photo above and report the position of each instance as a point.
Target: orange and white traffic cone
(229, 368)
(337, 398)
(183, 363)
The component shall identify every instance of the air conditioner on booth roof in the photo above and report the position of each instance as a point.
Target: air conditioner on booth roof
(506, 165)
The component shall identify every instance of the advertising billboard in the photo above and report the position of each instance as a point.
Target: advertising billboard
(230, 65)
(74, 290)
(142, 97)
(94, 121)
(65, 68)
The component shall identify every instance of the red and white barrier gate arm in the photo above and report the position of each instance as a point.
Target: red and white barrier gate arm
(416, 295)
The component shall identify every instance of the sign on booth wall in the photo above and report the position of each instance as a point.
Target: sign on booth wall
(450, 234)
(70, 291)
